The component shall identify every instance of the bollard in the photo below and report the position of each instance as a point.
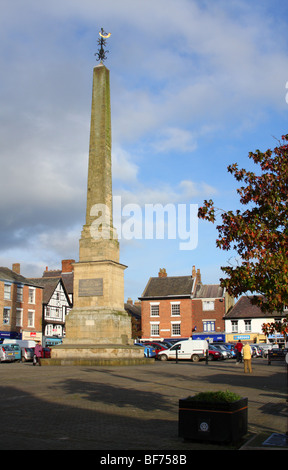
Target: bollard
(269, 358)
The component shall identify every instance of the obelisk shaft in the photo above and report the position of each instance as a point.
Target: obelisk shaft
(99, 190)
(94, 244)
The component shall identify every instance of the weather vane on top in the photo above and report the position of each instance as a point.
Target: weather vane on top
(101, 54)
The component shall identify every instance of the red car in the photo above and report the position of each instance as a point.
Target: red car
(46, 352)
(214, 355)
(157, 346)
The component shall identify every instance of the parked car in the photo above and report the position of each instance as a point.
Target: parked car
(214, 355)
(173, 341)
(17, 350)
(265, 348)
(167, 343)
(256, 350)
(221, 348)
(277, 354)
(157, 346)
(6, 353)
(231, 348)
(27, 354)
(46, 352)
(148, 350)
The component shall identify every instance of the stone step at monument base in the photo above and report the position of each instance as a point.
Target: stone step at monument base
(96, 355)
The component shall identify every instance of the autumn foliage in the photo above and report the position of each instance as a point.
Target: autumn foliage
(259, 233)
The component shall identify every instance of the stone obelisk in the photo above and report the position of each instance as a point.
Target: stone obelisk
(98, 313)
(98, 327)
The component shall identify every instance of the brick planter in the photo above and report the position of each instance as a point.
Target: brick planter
(215, 422)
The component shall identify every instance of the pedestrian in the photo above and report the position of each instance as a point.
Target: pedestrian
(238, 349)
(37, 354)
(247, 356)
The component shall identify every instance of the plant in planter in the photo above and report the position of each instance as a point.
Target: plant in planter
(213, 416)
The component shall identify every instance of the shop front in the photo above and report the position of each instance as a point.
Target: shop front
(246, 337)
(210, 337)
(32, 335)
(9, 335)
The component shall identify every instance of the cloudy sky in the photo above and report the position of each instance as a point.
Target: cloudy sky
(195, 86)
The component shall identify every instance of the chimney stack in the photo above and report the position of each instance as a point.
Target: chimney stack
(67, 265)
(162, 272)
(16, 268)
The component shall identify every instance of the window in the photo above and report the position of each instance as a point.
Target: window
(31, 318)
(31, 295)
(58, 330)
(154, 310)
(234, 324)
(175, 308)
(176, 329)
(57, 312)
(64, 311)
(19, 316)
(19, 293)
(49, 330)
(154, 328)
(6, 316)
(247, 325)
(208, 305)
(209, 325)
(7, 291)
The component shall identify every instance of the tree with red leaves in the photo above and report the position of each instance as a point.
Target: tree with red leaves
(259, 234)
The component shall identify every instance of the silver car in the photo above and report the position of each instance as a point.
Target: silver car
(27, 354)
(6, 353)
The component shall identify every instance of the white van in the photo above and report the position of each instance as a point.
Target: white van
(188, 349)
(23, 343)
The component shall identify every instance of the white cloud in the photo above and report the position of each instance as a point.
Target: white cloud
(123, 167)
(173, 139)
(186, 191)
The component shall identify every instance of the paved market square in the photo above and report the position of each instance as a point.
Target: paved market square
(130, 407)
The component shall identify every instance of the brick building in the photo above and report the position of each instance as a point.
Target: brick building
(181, 306)
(20, 306)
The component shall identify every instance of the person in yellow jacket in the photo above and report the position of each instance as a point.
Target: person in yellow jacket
(247, 357)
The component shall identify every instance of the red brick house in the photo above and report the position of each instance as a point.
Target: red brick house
(181, 306)
(20, 306)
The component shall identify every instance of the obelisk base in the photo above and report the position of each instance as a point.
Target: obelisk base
(96, 355)
(98, 325)
(97, 337)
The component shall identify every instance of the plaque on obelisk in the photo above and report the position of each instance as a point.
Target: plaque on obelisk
(98, 325)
